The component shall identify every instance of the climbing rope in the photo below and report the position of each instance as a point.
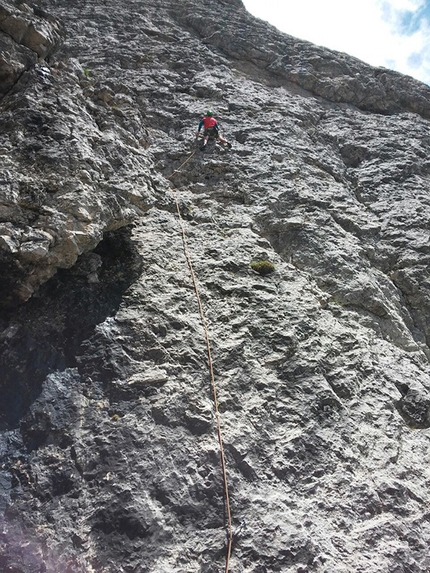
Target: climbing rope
(180, 167)
(211, 370)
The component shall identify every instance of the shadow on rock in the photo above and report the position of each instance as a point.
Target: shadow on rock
(45, 334)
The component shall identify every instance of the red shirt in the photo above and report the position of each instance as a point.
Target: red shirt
(209, 122)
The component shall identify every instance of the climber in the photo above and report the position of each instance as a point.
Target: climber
(211, 130)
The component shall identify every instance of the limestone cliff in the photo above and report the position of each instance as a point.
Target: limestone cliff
(110, 458)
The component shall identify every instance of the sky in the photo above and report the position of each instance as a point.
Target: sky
(393, 34)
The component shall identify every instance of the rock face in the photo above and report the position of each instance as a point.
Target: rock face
(110, 458)
(74, 165)
(26, 34)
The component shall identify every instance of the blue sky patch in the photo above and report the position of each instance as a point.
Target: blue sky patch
(415, 60)
(410, 22)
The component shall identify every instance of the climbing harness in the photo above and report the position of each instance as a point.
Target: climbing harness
(210, 364)
(225, 145)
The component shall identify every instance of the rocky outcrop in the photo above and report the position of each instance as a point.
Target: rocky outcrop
(110, 458)
(74, 167)
(27, 34)
(336, 77)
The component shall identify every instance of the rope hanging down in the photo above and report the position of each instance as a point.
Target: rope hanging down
(211, 371)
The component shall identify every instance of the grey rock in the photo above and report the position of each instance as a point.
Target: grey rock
(26, 35)
(71, 176)
(109, 445)
(31, 27)
(14, 60)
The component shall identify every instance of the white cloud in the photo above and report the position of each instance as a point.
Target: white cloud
(370, 30)
(400, 5)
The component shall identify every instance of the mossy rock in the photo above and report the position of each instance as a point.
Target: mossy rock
(263, 268)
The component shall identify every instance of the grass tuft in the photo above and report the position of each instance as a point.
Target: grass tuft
(263, 268)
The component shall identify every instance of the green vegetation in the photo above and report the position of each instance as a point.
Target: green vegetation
(263, 268)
